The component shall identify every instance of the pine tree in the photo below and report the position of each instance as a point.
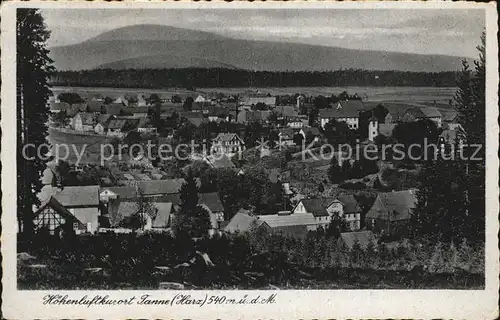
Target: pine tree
(33, 70)
(192, 219)
(334, 171)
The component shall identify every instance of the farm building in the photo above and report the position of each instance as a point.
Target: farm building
(55, 218)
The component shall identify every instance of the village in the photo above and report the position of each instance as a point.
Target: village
(245, 137)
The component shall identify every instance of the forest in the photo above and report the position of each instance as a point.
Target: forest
(190, 78)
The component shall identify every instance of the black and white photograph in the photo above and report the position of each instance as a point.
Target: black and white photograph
(262, 149)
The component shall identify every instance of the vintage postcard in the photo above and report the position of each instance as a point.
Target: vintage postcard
(274, 160)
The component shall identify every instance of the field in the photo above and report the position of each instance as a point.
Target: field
(403, 94)
(86, 146)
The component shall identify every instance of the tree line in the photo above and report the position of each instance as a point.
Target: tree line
(191, 78)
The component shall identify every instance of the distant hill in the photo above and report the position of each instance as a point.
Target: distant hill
(152, 46)
(165, 61)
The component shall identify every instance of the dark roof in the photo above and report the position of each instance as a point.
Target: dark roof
(123, 192)
(449, 115)
(222, 161)
(81, 196)
(104, 118)
(277, 220)
(160, 187)
(59, 106)
(117, 124)
(212, 201)
(431, 112)
(363, 238)
(313, 130)
(95, 106)
(339, 113)
(350, 204)
(142, 109)
(315, 206)
(396, 205)
(114, 108)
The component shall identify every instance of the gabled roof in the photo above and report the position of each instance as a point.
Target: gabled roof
(160, 187)
(104, 118)
(271, 101)
(276, 221)
(287, 111)
(362, 237)
(117, 124)
(226, 137)
(95, 106)
(431, 112)
(313, 130)
(81, 196)
(350, 203)
(315, 206)
(60, 209)
(142, 109)
(123, 192)
(393, 206)
(212, 201)
(286, 132)
(242, 221)
(114, 108)
(87, 118)
(339, 113)
(449, 115)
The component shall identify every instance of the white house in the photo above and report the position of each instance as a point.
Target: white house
(83, 121)
(347, 208)
(346, 111)
(227, 143)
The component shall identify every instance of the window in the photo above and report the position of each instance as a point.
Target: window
(75, 226)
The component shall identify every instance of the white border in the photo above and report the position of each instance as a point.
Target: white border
(474, 304)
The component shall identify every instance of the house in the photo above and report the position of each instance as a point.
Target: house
(121, 100)
(53, 216)
(269, 101)
(346, 207)
(96, 107)
(145, 126)
(345, 111)
(116, 127)
(316, 208)
(248, 116)
(114, 108)
(83, 122)
(160, 220)
(308, 132)
(56, 107)
(286, 112)
(200, 98)
(286, 136)
(159, 187)
(420, 113)
(102, 123)
(450, 119)
(363, 238)
(294, 225)
(214, 204)
(113, 193)
(244, 221)
(391, 210)
(227, 143)
(295, 123)
(139, 111)
(81, 201)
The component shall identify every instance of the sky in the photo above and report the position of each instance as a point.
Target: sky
(453, 32)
